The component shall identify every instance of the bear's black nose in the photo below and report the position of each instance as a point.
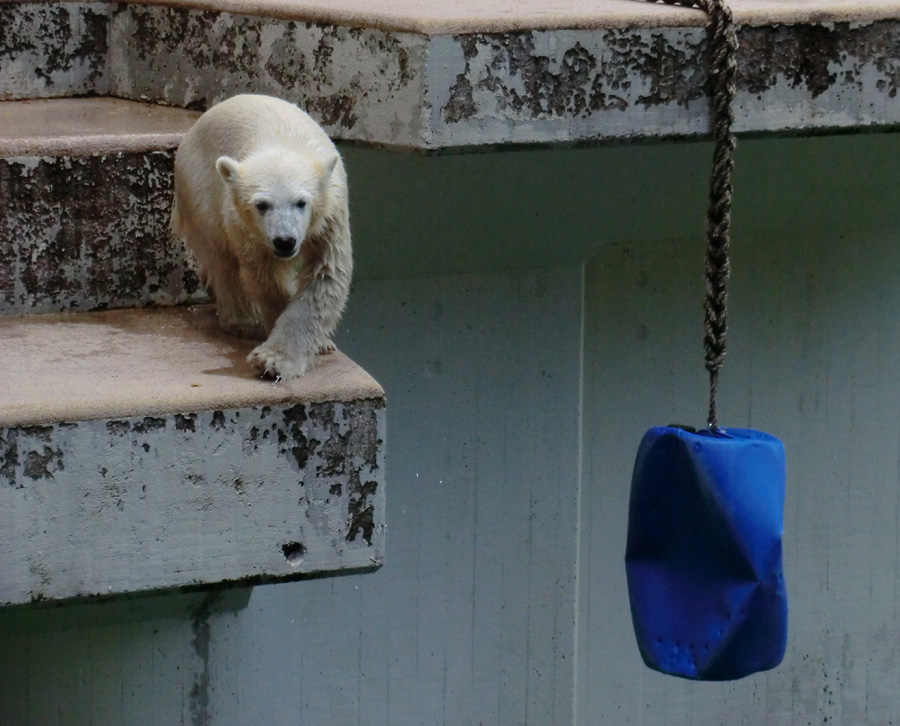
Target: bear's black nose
(284, 246)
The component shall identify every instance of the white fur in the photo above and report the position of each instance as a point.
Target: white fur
(261, 199)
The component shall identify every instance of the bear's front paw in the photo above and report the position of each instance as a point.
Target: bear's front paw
(277, 365)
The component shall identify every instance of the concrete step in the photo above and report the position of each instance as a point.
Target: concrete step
(438, 76)
(53, 49)
(138, 452)
(85, 198)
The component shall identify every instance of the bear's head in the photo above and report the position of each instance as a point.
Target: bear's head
(279, 194)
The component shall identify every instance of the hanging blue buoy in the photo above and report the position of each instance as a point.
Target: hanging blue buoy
(705, 580)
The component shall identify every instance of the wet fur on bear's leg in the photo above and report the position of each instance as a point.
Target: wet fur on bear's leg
(298, 333)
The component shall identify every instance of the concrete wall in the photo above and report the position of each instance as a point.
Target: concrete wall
(530, 313)
(814, 351)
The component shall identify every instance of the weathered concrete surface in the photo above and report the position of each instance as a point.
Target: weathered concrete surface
(126, 363)
(89, 127)
(613, 77)
(503, 16)
(547, 86)
(53, 49)
(360, 84)
(85, 198)
(565, 86)
(138, 452)
(579, 85)
(201, 498)
(82, 233)
(819, 76)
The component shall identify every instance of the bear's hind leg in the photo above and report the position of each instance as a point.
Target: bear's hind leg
(264, 292)
(237, 313)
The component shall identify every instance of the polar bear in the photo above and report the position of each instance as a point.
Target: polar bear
(261, 200)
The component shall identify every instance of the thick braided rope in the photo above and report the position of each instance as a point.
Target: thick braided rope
(722, 41)
(722, 46)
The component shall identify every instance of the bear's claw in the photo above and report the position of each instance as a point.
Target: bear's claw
(276, 366)
(269, 375)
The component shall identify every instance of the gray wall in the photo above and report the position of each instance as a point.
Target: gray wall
(530, 313)
(814, 359)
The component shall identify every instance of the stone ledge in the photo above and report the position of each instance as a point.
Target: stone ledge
(440, 79)
(502, 16)
(139, 452)
(126, 363)
(85, 199)
(89, 127)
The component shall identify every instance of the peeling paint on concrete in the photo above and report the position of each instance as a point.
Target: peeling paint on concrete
(819, 76)
(53, 49)
(84, 233)
(564, 85)
(820, 57)
(579, 85)
(362, 512)
(572, 82)
(405, 89)
(107, 507)
(359, 84)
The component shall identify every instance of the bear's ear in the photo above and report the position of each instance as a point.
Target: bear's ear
(328, 166)
(227, 168)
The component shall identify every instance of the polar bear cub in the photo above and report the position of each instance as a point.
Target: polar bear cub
(261, 200)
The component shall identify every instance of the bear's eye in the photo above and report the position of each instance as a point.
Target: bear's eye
(301, 204)
(263, 207)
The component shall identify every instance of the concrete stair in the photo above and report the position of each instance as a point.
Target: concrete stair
(138, 450)
(432, 76)
(85, 198)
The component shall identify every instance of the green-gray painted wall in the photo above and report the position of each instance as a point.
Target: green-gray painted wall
(529, 314)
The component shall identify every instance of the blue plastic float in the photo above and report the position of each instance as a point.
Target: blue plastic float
(703, 558)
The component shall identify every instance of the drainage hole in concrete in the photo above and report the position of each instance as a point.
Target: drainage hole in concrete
(293, 552)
